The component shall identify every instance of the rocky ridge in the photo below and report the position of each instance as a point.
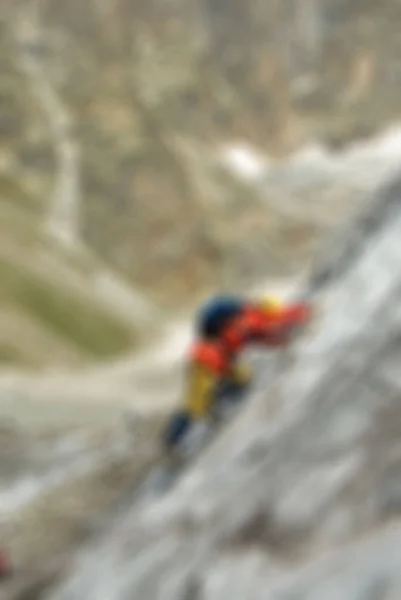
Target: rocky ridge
(299, 496)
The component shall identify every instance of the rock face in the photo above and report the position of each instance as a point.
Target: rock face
(298, 498)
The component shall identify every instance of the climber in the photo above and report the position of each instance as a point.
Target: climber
(227, 325)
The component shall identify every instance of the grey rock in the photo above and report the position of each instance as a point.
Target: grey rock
(299, 504)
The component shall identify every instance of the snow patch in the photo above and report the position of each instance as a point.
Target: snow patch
(361, 164)
(244, 161)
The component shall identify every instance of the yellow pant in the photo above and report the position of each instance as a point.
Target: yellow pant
(202, 386)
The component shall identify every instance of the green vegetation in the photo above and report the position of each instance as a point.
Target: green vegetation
(88, 327)
(10, 355)
(13, 193)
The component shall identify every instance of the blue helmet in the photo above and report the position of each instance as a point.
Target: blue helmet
(216, 312)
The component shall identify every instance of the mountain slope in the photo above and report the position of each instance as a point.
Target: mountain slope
(113, 119)
(114, 112)
(278, 505)
(54, 312)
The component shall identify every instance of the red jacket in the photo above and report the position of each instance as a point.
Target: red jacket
(251, 327)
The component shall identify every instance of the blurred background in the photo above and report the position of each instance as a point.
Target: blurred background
(153, 152)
